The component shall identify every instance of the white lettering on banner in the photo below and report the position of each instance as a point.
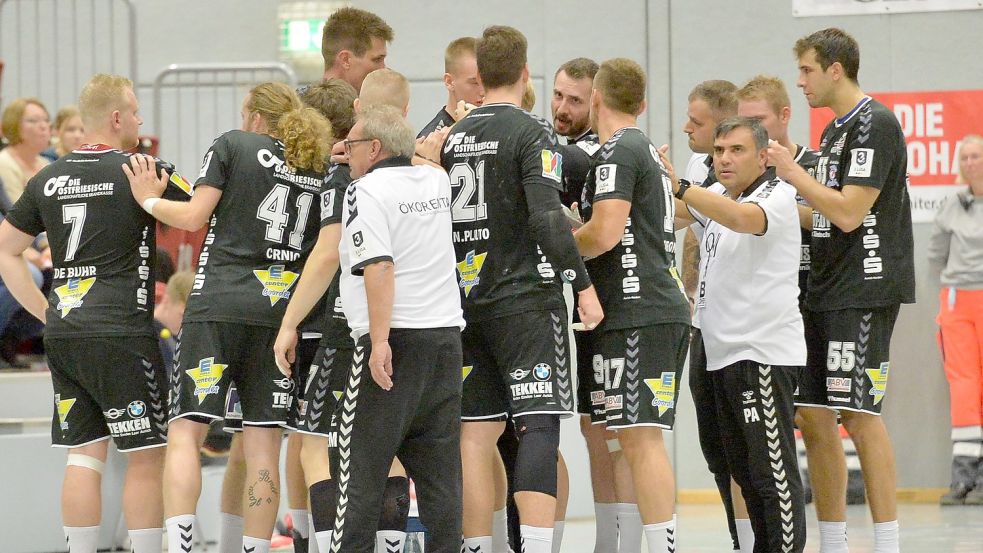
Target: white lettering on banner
(920, 123)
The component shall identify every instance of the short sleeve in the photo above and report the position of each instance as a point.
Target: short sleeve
(616, 176)
(367, 229)
(873, 151)
(779, 206)
(539, 156)
(215, 165)
(332, 196)
(178, 188)
(25, 214)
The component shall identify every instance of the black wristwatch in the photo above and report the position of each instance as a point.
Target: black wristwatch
(683, 187)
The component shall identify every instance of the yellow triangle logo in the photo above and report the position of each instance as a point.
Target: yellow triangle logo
(276, 282)
(663, 391)
(337, 395)
(71, 293)
(63, 406)
(465, 371)
(469, 270)
(206, 377)
(878, 381)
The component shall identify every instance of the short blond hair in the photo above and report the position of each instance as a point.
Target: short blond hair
(352, 29)
(459, 47)
(10, 121)
(385, 87)
(621, 83)
(719, 95)
(529, 97)
(767, 88)
(179, 286)
(102, 95)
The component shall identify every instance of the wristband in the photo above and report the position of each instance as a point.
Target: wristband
(683, 187)
(149, 203)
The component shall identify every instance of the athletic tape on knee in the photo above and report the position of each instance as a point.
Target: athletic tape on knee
(535, 464)
(86, 461)
(395, 504)
(614, 445)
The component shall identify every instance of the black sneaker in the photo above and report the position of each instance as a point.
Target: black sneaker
(957, 495)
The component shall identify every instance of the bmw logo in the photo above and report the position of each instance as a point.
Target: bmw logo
(542, 371)
(136, 409)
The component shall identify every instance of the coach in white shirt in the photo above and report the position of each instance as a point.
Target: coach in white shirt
(401, 299)
(747, 308)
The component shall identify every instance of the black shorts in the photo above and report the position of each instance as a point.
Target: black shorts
(518, 365)
(848, 358)
(642, 368)
(322, 390)
(212, 357)
(305, 355)
(590, 378)
(107, 386)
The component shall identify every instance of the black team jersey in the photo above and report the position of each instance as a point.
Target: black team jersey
(439, 121)
(807, 158)
(103, 244)
(494, 153)
(873, 265)
(259, 235)
(335, 331)
(577, 155)
(636, 280)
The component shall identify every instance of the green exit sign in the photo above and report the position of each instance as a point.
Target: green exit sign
(301, 35)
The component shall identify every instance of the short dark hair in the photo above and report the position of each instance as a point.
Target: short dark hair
(621, 82)
(832, 45)
(334, 98)
(758, 131)
(579, 68)
(720, 96)
(352, 29)
(466, 45)
(501, 55)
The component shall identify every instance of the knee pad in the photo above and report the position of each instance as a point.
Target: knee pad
(395, 504)
(324, 498)
(86, 461)
(535, 465)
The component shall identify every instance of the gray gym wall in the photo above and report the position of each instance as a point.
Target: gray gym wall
(680, 43)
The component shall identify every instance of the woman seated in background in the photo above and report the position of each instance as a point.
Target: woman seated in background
(68, 129)
(956, 250)
(26, 126)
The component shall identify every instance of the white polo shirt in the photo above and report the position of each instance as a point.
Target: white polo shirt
(747, 301)
(401, 213)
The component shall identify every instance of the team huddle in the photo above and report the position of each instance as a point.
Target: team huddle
(395, 300)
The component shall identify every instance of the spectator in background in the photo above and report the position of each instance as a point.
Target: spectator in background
(169, 311)
(26, 126)
(68, 126)
(956, 251)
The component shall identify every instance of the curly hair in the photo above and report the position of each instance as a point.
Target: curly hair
(306, 137)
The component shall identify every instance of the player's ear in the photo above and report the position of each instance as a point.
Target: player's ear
(641, 108)
(344, 59)
(525, 74)
(785, 115)
(448, 81)
(355, 105)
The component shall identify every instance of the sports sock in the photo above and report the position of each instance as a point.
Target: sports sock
(606, 523)
(661, 537)
(745, 534)
(180, 533)
(536, 539)
(500, 531)
(832, 537)
(557, 535)
(82, 539)
(299, 518)
(886, 537)
(146, 540)
(255, 545)
(629, 528)
(389, 541)
(311, 543)
(479, 544)
(230, 534)
(323, 539)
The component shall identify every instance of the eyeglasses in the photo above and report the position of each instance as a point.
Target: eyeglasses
(348, 144)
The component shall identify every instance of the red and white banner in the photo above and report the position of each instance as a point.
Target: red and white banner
(934, 123)
(812, 8)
